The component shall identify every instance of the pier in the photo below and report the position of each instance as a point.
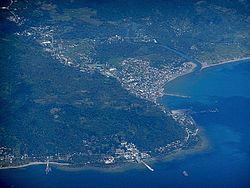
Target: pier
(176, 95)
(48, 169)
(151, 169)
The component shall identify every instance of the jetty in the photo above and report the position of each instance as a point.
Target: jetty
(48, 169)
(151, 169)
(176, 95)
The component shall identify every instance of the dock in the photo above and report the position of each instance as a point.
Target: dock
(177, 95)
(48, 169)
(151, 169)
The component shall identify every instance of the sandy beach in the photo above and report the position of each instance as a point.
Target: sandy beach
(204, 66)
(35, 163)
(193, 66)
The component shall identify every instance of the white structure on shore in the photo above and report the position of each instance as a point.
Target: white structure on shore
(151, 169)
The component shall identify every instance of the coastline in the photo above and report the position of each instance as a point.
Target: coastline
(202, 147)
(34, 163)
(129, 166)
(204, 65)
(193, 66)
(114, 169)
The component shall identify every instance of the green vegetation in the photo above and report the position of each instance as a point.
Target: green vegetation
(116, 61)
(84, 14)
(77, 48)
(51, 108)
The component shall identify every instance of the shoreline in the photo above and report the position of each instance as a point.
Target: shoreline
(193, 66)
(34, 163)
(203, 146)
(187, 72)
(204, 66)
(177, 155)
(129, 166)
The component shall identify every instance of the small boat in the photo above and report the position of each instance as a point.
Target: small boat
(185, 173)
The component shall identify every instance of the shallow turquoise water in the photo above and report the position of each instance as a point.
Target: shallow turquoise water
(225, 88)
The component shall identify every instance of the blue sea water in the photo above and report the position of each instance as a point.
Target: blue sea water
(224, 88)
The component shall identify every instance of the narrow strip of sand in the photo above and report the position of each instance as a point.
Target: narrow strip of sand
(34, 163)
(204, 66)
